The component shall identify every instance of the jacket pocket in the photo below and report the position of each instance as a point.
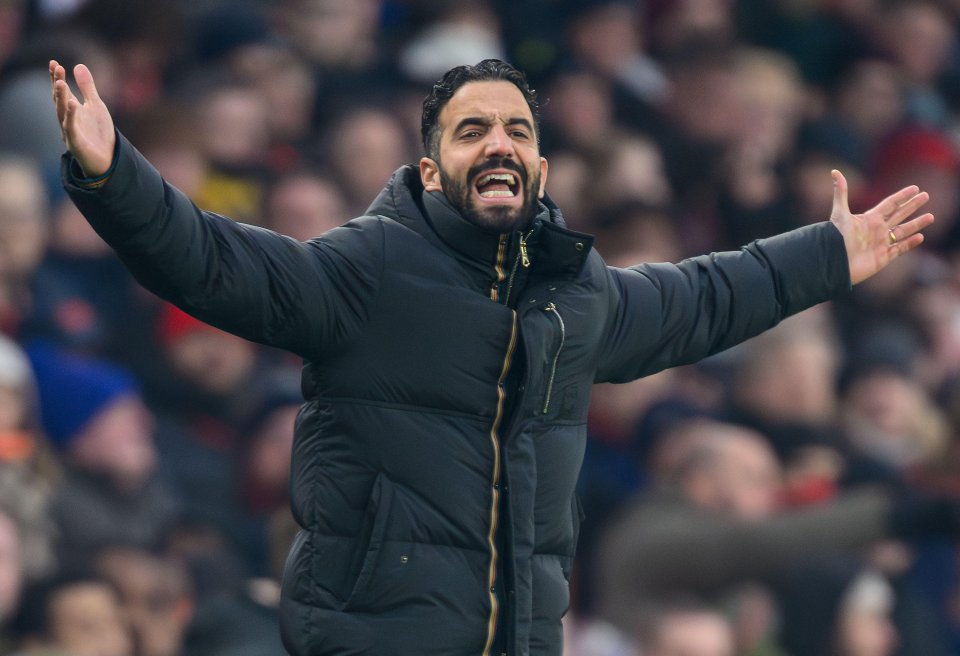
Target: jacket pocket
(370, 541)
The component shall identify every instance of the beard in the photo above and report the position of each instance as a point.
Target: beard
(496, 217)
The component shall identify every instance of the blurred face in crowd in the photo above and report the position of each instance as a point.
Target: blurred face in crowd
(771, 94)
(72, 235)
(235, 128)
(919, 36)
(706, 102)
(23, 219)
(269, 457)
(155, 597)
(738, 474)
(891, 416)
(608, 37)
(13, 17)
(287, 84)
(11, 574)
(865, 626)
(365, 148)
(332, 32)
(805, 396)
(304, 206)
(118, 442)
(214, 361)
(693, 633)
(580, 107)
(489, 164)
(632, 169)
(870, 98)
(85, 620)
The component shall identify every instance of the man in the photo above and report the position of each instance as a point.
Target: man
(450, 340)
(713, 523)
(72, 613)
(687, 628)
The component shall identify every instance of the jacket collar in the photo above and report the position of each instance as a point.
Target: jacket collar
(468, 239)
(556, 250)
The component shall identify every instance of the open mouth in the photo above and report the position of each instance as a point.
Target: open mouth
(498, 185)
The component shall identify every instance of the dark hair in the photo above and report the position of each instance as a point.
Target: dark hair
(33, 617)
(443, 90)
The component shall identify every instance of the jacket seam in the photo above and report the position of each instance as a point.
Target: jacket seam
(398, 541)
(375, 306)
(563, 422)
(404, 407)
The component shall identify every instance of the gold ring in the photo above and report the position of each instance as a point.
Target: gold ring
(892, 237)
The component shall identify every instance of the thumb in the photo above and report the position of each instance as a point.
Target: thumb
(85, 83)
(841, 206)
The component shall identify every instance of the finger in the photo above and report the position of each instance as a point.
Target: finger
(56, 73)
(56, 70)
(70, 114)
(62, 96)
(908, 208)
(85, 83)
(840, 204)
(905, 231)
(888, 206)
(70, 124)
(906, 245)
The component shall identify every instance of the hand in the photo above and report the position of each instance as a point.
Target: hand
(879, 235)
(86, 128)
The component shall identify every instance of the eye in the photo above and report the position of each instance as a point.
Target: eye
(470, 134)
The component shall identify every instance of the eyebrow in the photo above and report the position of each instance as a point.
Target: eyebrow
(477, 120)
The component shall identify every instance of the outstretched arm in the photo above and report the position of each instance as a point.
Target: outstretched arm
(881, 234)
(86, 127)
(307, 298)
(665, 315)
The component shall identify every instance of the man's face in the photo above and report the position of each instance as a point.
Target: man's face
(694, 633)
(489, 164)
(86, 621)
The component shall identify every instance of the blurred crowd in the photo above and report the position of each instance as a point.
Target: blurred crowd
(798, 495)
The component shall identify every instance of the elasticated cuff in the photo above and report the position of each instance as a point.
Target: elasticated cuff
(93, 183)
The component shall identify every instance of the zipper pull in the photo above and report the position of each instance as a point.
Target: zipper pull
(552, 309)
(524, 257)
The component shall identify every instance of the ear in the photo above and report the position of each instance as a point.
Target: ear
(430, 174)
(543, 177)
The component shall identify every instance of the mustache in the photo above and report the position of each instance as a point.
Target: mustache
(499, 163)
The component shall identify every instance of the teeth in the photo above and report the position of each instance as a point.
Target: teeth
(506, 177)
(497, 194)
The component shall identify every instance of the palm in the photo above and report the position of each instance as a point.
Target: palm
(87, 127)
(867, 236)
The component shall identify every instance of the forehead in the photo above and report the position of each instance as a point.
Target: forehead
(490, 99)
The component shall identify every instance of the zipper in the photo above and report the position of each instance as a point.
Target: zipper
(552, 309)
(523, 249)
(495, 486)
(498, 268)
(522, 258)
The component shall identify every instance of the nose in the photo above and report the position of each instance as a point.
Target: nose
(498, 143)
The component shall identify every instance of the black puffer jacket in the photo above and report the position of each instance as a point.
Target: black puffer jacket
(447, 377)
